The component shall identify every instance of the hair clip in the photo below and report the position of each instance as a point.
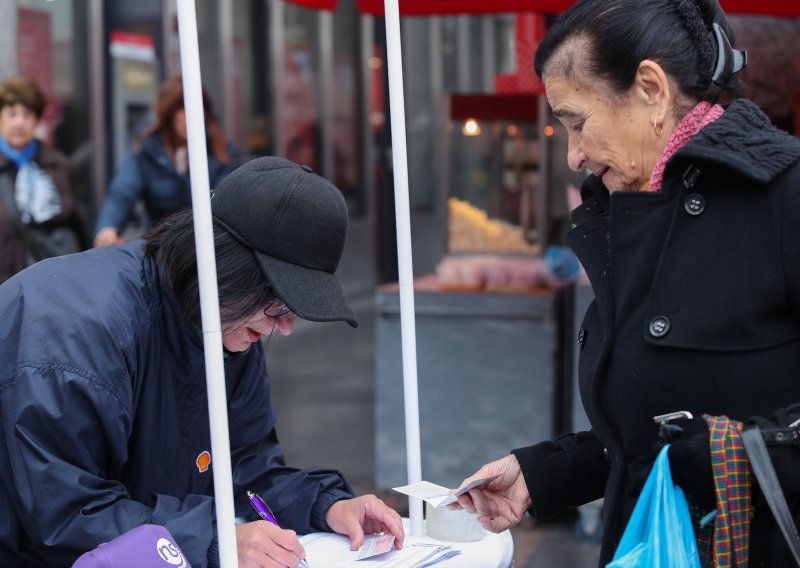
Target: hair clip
(729, 61)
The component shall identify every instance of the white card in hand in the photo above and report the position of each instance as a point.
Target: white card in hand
(439, 496)
(374, 545)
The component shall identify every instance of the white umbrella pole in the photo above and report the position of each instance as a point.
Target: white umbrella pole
(207, 273)
(406, 270)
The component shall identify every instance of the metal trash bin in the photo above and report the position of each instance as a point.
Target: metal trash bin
(486, 374)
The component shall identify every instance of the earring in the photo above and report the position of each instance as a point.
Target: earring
(659, 129)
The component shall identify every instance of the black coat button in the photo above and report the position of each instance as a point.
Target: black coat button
(582, 337)
(694, 204)
(659, 326)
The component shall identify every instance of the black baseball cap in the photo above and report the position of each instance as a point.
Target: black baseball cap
(296, 224)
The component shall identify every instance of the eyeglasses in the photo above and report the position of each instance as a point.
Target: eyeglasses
(276, 308)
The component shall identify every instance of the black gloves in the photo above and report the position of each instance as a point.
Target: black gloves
(690, 460)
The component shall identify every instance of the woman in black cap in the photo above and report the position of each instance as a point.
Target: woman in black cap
(103, 389)
(688, 233)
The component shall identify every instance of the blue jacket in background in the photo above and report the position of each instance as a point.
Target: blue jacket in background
(104, 417)
(148, 174)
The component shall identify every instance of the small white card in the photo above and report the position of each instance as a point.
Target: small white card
(438, 496)
(374, 545)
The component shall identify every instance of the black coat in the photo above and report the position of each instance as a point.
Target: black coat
(697, 308)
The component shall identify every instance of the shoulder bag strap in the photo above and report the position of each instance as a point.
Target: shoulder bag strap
(765, 475)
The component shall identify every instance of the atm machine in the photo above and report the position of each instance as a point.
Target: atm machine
(134, 87)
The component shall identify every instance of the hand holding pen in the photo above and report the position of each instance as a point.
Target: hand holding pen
(264, 512)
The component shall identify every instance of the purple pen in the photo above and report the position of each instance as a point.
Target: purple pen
(263, 510)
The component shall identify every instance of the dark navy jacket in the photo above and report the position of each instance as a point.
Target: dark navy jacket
(697, 307)
(104, 417)
(148, 174)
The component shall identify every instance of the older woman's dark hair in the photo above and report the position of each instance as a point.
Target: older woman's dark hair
(170, 101)
(619, 34)
(24, 91)
(243, 288)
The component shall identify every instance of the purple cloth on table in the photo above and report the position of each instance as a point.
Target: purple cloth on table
(146, 546)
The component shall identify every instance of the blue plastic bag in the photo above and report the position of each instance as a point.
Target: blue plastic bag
(659, 533)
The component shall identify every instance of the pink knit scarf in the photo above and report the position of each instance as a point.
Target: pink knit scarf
(697, 119)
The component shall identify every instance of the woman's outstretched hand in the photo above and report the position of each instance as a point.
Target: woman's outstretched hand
(503, 502)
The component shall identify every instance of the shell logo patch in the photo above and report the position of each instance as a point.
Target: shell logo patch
(203, 461)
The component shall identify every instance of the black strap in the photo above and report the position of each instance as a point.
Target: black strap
(781, 436)
(765, 475)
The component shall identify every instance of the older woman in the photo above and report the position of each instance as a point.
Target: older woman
(37, 209)
(688, 232)
(157, 170)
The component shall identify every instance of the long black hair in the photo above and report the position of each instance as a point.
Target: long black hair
(243, 288)
(619, 34)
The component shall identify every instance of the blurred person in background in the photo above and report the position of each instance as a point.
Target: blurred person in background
(688, 232)
(103, 396)
(157, 170)
(38, 218)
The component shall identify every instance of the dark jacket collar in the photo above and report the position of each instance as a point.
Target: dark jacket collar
(742, 140)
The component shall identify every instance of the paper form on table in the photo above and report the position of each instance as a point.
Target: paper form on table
(328, 550)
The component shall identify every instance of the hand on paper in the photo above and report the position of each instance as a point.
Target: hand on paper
(364, 515)
(503, 502)
(263, 544)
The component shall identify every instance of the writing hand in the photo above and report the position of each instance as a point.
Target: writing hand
(364, 515)
(503, 502)
(262, 544)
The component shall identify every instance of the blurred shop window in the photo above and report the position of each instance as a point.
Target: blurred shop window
(495, 171)
(254, 93)
(52, 48)
(422, 124)
(772, 76)
(347, 146)
(302, 92)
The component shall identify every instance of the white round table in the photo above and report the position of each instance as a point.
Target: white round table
(492, 551)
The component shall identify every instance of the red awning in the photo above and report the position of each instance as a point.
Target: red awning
(423, 7)
(521, 108)
(784, 8)
(317, 4)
